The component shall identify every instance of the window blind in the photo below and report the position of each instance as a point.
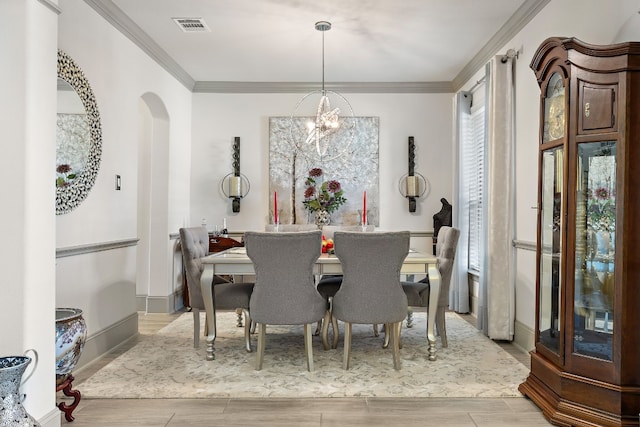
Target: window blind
(474, 175)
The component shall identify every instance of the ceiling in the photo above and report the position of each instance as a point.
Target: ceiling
(428, 44)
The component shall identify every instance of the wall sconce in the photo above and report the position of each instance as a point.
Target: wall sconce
(412, 185)
(235, 185)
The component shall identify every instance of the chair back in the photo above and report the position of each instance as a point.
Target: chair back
(284, 291)
(446, 253)
(371, 291)
(194, 242)
(286, 228)
(329, 230)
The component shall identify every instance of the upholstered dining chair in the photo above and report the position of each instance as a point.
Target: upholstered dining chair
(371, 291)
(194, 242)
(418, 292)
(329, 284)
(284, 292)
(285, 228)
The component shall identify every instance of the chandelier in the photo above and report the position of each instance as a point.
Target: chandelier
(327, 131)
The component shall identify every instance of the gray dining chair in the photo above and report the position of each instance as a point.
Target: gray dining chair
(418, 292)
(371, 292)
(284, 292)
(329, 284)
(194, 243)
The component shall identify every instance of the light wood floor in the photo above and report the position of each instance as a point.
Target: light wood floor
(268, 412)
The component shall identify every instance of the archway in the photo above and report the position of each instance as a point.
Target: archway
(153, 271)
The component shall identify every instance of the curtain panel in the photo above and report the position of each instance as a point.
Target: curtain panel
(497, 277)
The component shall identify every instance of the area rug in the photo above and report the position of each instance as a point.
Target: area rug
(166, 365)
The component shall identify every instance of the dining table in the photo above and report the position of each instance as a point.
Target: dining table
(235, 261)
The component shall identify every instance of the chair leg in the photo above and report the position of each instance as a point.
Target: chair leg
(239, 314)
(347, 345)
(260, 351)
(206, 325)
(308, 346)
(247, 330)
(196, 327)
(375, 330)
(395, 342)
(387, 334)
(440, 326)
(409, 318)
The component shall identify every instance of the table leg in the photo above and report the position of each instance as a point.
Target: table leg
(434, 294)
(207, 295)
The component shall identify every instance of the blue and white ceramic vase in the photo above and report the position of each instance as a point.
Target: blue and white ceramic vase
(12, 412)
(71, 334)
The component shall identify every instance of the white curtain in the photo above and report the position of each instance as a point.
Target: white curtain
(459, 289)
(496, 304)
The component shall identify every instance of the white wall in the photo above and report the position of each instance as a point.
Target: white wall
(217, 118)
(103, 284)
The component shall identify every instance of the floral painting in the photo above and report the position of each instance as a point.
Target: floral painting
(355, 169)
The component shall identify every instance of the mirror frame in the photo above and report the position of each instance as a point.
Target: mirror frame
(70, 196)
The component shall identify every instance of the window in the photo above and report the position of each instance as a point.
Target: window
(473, 142)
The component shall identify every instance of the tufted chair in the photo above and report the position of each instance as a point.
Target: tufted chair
(371, 291)
(329, 284)
(418, 292)
(226, 296)
(285, 293)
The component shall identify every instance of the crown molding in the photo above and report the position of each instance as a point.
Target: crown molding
(51, 6)
(522, 16)
(116, 17)
(306, 87)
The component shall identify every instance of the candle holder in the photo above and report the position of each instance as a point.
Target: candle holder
(235, 185)
(412, 185)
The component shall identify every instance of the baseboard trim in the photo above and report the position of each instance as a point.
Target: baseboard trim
(168, 304)
(51, 418)
(524, 337)
(141, 303)
(107, 339)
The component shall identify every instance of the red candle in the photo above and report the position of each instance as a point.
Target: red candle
(364, 209)
(275, 207)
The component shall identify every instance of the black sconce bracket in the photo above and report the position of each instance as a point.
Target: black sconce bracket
(235, 185)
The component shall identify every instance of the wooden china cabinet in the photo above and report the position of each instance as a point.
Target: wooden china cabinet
(585, 369)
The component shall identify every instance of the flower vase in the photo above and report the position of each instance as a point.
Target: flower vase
(12, 412)
(71, 334)
(323, 217)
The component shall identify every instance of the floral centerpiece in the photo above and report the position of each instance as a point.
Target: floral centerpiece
(601, 208)
(322, 195)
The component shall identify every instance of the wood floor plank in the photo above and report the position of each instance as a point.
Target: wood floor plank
(305, 405)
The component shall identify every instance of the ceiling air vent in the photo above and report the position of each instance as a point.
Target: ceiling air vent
(192, 25)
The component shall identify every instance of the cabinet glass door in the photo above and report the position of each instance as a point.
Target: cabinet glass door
(595, 249)
(550, 248)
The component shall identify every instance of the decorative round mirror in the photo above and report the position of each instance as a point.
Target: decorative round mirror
(78, 136)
